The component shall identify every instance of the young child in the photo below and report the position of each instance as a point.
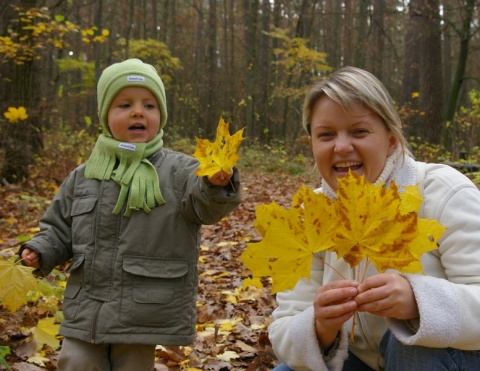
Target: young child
(130, 222)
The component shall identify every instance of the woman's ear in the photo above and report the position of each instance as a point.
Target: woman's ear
(394, 143)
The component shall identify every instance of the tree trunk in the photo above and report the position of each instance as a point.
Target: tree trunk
(378, 33)
(131, 14)
(164, 24)
(250, 9)
(361, 36)
(155, 24)
(333, 24)
(347, 47)
(211, 106)
(263, 85)
(465, 36)
(447, 36)
(431, 87)
(410, 83)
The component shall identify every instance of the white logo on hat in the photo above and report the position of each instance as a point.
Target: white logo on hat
(135, 78)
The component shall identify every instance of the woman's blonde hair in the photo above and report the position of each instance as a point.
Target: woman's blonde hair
(349, 86)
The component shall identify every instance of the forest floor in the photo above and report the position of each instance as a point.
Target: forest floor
(232, 322)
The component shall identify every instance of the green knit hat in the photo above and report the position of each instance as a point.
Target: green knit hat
(132, 72)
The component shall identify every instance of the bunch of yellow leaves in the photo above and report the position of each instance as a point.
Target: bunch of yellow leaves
(366, 221)
(219, 155)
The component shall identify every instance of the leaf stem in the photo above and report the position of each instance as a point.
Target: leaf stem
(231, 183)
(352, 332)
(331, 267)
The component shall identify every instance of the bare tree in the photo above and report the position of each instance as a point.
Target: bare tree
(212, 63)
(430, 72)
(250, 11)
(465, 34)
(378, 35)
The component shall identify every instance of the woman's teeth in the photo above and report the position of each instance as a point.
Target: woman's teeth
(346, 165)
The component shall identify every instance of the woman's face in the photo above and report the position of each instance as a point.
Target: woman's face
(340, 141)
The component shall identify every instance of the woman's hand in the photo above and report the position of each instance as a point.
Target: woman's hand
(387, 295)
(30, 258)
(334, 304)
(220, 179)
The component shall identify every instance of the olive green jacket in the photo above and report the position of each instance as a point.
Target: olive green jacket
(132, 279)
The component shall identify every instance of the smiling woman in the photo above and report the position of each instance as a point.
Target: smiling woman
(352, 124)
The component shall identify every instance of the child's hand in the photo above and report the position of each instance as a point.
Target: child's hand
(31, 258)
(220, 179)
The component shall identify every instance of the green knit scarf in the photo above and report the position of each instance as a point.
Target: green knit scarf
(136, 175)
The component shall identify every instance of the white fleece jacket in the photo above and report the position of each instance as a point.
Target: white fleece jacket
(448, 295)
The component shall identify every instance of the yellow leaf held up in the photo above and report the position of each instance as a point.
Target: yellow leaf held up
(371, 225)
(366, 221)
(290, 238)
(219, 155)
(381, 224)
(15, 283)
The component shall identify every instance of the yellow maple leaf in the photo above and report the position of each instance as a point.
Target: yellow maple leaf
(46, 333)
(367, 214)
(290, 238)
(14, 115)
(15, 283)
(219, 155)
(366, 221)
(379, 224)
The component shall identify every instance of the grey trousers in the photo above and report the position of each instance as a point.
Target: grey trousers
(79, 355)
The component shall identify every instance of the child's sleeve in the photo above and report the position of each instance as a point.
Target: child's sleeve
(53, 242)
(205, 203)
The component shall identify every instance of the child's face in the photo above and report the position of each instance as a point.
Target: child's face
(134, 115)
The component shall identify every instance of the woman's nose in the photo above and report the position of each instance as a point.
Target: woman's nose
(343, 143)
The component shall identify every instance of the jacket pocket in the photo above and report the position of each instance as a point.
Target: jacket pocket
(153, 291)
(83, 219)
(73, 293)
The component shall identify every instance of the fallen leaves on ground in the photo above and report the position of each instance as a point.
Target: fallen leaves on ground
(16, 281)
(233, 310)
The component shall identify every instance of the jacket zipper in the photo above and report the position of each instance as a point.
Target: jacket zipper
(93, 329)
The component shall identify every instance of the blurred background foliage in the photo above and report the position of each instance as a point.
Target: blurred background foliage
(248, 61)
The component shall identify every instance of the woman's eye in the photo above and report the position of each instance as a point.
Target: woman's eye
(325, 135)
(360, 132)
